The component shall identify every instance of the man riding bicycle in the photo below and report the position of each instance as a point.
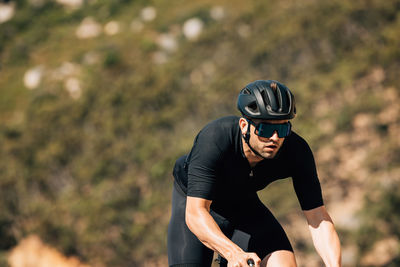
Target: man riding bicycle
(215, 189)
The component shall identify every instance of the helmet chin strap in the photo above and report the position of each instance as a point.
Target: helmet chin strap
(247, 140)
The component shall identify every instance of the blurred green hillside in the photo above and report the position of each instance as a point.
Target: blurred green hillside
(99, 99)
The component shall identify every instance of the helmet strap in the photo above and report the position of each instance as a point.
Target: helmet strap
(246, 138)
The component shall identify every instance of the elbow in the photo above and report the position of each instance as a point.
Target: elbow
(194, 218)
(189, 218)
(318, 216)
(196, 213)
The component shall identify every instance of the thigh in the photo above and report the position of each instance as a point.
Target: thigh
(184, 248)
(280, 258)
(266, 233)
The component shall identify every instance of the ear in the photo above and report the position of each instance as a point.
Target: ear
(243, 124)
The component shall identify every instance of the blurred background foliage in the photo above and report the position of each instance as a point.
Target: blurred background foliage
(91, 124)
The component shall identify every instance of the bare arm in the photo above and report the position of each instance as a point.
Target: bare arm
(202, 224)
(325, 238)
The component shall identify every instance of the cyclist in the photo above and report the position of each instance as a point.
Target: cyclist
(215, 187)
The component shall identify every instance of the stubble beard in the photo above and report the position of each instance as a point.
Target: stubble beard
(267, 154)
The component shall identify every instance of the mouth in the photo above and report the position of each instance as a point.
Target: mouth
(271, 147)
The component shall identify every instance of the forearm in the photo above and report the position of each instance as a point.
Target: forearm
(327, 244)
(201, 223)
(325, 238)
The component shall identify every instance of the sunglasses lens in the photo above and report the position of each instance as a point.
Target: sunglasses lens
(267, 129)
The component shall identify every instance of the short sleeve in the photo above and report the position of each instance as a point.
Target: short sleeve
(203, 164)
(305, 177)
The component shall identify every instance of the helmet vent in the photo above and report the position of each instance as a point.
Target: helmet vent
(273, 86)
(246, 91)
(252, 108)
(266, 99)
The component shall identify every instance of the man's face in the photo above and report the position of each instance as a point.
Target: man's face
(267, 147)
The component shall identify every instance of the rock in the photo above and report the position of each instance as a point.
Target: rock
(217, 13)
(167, 42)
(112, 28)
(7, 11)
(33, 77)
(72, 85)
(363, 121)
(74, 4)
(192, 28)
(88, 28)
(32, 252)
(148, 13)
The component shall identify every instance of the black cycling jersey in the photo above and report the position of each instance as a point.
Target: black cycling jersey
(217, 169)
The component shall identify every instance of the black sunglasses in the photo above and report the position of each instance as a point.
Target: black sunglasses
(267, 130)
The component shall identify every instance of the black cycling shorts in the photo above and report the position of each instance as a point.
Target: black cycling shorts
(252, 227)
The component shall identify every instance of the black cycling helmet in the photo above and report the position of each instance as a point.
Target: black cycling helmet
(267, 100)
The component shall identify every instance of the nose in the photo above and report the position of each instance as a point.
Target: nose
(274, 136)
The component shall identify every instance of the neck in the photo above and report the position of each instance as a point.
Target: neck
(251, 157)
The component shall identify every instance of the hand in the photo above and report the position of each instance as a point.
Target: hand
(240, 259)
